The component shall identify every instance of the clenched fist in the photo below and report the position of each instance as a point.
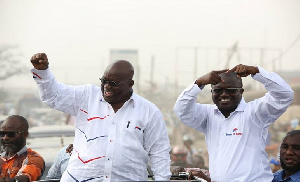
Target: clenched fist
(39, 61)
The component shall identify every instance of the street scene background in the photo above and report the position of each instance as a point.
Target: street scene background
(170, 44)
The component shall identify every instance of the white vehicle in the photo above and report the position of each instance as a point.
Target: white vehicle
(47, 140)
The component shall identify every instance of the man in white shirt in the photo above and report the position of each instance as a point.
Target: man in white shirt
(117, 131)
(235, 131)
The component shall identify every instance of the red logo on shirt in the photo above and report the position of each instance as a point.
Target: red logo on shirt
(234, 132)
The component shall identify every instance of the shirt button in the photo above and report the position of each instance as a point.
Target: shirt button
(110, 140)
(108, 159)
(106, 176)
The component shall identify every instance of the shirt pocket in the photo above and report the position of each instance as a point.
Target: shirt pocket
(133, 140)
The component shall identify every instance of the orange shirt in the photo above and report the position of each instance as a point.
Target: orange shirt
(25, 162)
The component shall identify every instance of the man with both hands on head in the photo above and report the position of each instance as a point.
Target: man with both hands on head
(116, 129)
(235, 131)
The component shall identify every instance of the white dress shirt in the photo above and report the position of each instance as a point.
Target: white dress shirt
(109, 146)
(236, 145)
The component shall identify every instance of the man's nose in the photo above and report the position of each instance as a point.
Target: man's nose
(224, 92)
(290, 150)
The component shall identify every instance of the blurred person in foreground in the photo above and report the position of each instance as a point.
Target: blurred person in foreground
(60, 163)
(235, 131)
(117, 131)
(18, 163)
(289, 158)
(178, 156)
(188, 142)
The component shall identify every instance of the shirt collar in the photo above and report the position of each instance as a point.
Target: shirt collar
(278, 176)
(24, 149)
(295, 176)
(242, 105)
(132, 99)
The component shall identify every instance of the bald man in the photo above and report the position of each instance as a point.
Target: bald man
(19, 163)
(117, 131)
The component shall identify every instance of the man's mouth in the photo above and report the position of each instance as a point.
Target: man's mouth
(289, 161)
(7, 145)
(224, 100)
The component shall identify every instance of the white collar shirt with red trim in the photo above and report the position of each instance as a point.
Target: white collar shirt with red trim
(109, 146)
(236, 145)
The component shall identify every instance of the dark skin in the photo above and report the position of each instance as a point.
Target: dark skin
(69, 149)
(290, 155)
(39, 61)
(120, 72)
(15, 144)
(222, 79)
(199, 174)
(175, 170)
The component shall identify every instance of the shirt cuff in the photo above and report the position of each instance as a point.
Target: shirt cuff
(261, 76)
(193, 89)
(41, 74)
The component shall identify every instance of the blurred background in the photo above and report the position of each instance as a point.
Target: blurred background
(170, 43)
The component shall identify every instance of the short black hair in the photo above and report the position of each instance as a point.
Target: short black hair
(233, 75)
(293, 133)
(21, 119)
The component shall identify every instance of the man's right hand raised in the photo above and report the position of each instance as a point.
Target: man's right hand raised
(39, 61)
(210, 78)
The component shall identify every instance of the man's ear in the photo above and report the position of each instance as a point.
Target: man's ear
(131, 83)
(25, 134)
(242, 90)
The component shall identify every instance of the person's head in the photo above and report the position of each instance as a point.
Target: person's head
(228, 93)
(14, 131)
(187, 140)
(290, 152)
(179, 154)
(116, 82)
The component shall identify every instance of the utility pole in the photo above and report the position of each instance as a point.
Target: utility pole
(152, 71)
(196, 63)
(231, 53)
(176, 69)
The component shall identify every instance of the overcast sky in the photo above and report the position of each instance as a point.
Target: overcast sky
(77, 35)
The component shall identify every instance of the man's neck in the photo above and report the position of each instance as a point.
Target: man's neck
(13, 153)
(225, 113)
(286, 174)
(10, 154)
(117, 106)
